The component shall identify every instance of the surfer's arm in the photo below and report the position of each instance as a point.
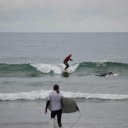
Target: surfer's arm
(71, 59)
(112, 74)
(47, 104)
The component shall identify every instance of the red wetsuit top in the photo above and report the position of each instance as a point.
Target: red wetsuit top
(67, 58)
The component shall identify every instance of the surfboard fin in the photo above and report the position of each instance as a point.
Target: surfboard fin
(77, 108)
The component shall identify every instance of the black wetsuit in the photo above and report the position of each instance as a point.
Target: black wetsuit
(105, 74)
(66, 63)
(59, 114)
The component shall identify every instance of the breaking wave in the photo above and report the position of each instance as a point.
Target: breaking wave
(42, 94)
(40, 69)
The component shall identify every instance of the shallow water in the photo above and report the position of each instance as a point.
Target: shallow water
(31, 63)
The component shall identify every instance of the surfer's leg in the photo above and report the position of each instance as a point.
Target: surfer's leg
(52, 123)
(53, 114)
(67, 65)
(59, 114)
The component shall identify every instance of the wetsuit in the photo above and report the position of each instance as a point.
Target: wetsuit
(66, 62)
(110, 73)
(105, 74)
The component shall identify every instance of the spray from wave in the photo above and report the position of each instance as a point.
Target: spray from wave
(57, 69)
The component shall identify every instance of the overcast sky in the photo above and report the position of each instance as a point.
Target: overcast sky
(63, 15)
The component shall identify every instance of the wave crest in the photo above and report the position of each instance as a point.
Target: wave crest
(83, 68)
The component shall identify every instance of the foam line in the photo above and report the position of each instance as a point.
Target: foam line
(42, 94)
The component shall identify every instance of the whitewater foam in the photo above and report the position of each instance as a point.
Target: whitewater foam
(43, 94)
(57, 69)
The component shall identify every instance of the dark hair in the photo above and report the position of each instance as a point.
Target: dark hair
(56, 88)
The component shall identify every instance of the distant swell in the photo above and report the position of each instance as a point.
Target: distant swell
(34, 95)
(18, 70)
(40, 69)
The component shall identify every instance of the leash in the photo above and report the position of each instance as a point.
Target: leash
(77, 120)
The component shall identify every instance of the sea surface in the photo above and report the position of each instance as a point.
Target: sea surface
(31, 63)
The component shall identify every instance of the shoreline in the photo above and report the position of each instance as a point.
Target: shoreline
(65, 125)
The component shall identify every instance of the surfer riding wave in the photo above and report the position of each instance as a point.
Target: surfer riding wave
(66, 61)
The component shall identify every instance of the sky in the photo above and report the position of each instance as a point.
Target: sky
(63, 15)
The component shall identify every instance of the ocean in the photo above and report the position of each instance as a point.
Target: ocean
(31, 63)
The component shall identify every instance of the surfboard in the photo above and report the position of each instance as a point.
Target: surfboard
(68, 105)
(65, 74)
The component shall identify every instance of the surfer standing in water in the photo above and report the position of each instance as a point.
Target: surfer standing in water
(56, 109)
(66, 61)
